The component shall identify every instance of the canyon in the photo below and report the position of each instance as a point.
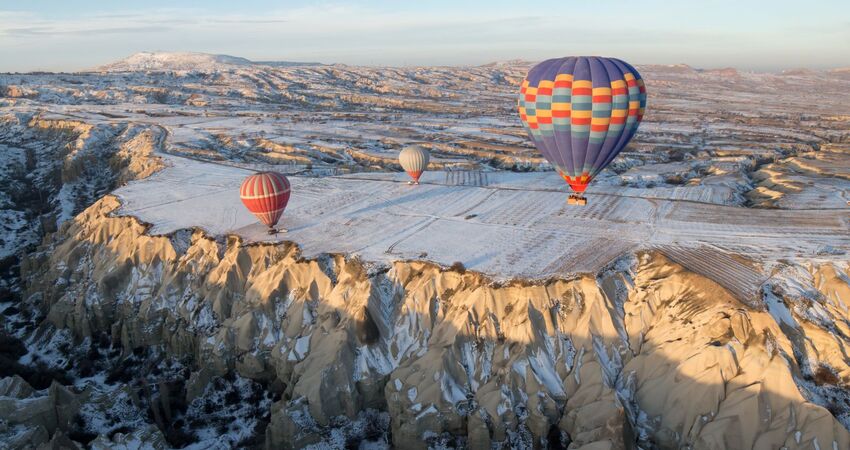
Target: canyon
(699, 300)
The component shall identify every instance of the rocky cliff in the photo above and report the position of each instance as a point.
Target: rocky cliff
(181, 339)
(53, 168)
(112, 337)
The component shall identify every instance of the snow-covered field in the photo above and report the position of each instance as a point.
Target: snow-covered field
(516, 226)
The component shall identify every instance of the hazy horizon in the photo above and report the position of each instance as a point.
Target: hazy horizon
(272, 60)
(757, 36)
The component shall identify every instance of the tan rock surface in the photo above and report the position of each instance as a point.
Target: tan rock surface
(644, 352)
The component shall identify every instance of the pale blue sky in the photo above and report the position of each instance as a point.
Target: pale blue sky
(757, 35)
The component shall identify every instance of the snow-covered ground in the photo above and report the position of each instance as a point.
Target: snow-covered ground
(516, 226)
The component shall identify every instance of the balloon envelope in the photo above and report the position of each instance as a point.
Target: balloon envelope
(414, 160)
(265, 194)
(581, 112)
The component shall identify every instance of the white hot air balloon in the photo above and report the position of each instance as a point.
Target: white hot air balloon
(414, 161)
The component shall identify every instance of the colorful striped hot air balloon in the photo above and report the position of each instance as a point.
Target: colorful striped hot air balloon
(414, 161)
(581, 112)
(266, 194)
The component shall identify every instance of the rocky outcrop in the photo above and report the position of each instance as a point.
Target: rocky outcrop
(127, 151)
(643, 353)
(28, 418)
(14, 91)
(811, 180)
(53, 169)
(149, 437)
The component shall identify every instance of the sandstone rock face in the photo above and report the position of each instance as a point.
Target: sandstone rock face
(53, 169)
(14, 91)
(28, 418)
(644, 353)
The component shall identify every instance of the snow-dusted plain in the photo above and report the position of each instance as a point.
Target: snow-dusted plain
(516, 226)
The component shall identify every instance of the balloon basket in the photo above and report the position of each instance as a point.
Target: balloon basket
(273, 231)
(577, 200)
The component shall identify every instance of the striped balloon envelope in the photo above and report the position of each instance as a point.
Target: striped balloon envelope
(581, 112)
(414, 160)
(266, 194)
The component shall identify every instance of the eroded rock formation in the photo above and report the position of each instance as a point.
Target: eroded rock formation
(644, 353)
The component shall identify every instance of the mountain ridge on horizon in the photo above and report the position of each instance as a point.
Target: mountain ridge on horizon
(159, 60)
(186, 61)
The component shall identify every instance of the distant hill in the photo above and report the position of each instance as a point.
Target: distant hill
(798, 72)
(667, 68)
(510, 63)
(168, 61)
(286, 63)
(724, 72)
(842, 72)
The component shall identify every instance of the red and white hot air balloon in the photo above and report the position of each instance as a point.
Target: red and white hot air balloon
(266, 194)
(414, 161)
